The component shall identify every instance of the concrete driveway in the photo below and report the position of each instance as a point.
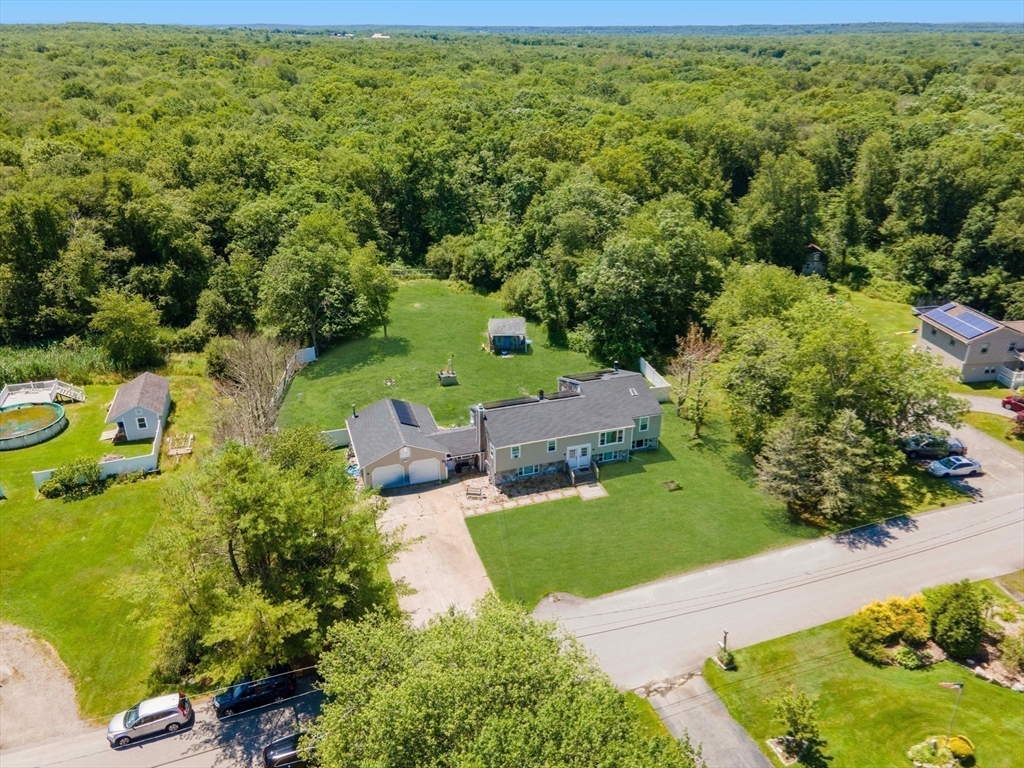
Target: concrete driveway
(1002, 466)
(987, 404)
(441, 564)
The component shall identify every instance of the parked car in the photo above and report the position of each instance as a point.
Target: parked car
(954, 466)
(247, 694)
(932, 447)
(1013, 403)
(167, 714)
(285, 753)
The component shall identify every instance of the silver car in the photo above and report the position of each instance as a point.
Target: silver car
(164, 714)
(954, 466)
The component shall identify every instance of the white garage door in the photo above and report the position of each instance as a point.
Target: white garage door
(424, 470)
(388, 476)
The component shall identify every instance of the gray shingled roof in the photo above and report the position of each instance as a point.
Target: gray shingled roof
(147, 390)
(377, 431)
(460, 441)
(506, 326)
(606, 403)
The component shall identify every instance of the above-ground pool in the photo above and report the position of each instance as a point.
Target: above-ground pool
(29, 424)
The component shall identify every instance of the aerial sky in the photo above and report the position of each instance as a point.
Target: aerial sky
(510, 12)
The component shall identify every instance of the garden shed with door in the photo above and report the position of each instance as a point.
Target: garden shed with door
(139, 405)
(506, 334)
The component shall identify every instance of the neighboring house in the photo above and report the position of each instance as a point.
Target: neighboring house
(593, 418)
(979, 347)
(139, 405)
(507, 334)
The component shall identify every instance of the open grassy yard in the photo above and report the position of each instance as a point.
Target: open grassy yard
(891, 320)
(641, 531)
(869, 716)
(995, 426)
(429, 323)
(61, 559)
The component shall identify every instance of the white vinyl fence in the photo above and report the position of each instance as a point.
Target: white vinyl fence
(147, 463)
(662, 389)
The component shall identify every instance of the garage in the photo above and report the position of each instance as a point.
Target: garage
(424, 471)
(389, 475)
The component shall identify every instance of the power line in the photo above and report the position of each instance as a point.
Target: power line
(880, 555)
(581, 633)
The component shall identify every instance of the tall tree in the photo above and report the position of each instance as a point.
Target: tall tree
(127, 326)
(496, 689)
(374, 285)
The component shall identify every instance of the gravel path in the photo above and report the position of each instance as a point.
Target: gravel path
(37, 697)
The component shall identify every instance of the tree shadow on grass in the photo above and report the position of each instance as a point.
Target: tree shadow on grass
(350, 356)
(813, 757)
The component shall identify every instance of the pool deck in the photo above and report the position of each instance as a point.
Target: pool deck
(29, 396)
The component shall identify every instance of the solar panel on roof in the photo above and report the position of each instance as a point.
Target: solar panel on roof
(958, 325)
(978, 322)
(405, 413)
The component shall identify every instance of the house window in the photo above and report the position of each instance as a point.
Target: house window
(984, 349)
(610, 438)
(552, 445)
(935, 331)
(515, 451)
(527, 471)
(141, 421)
(952, 342)
(645, 422)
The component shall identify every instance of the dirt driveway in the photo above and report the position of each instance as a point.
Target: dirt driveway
(37, 697)
(443, 565)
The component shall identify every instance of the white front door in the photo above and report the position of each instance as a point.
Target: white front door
(578, 456)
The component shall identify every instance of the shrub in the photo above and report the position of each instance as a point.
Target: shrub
(216, 353)
(961, 747)
(956, 617)
(797, 712)
(878, 624)
(1011, 653)
(931, 752)
(907, 658)
(726, 657)
(71, 478)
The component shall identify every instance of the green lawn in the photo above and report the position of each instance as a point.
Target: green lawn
(61, 559)
(869, 716)
(429, 323)
(986, 388)
(891, 320)
(995, 426)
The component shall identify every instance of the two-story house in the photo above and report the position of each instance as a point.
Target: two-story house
(979, 347)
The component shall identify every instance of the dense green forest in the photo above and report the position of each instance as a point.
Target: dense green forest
(233, 177)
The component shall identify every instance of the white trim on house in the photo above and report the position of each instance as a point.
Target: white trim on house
(566, 437)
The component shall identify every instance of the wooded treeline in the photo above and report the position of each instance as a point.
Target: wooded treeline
(604, 183)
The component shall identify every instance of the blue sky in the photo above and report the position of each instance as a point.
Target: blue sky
(509, 12)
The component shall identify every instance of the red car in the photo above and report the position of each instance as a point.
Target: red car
(1013, 403)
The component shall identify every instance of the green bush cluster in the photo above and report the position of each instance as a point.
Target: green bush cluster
(907, 657)
(72, 478)
(1011, 653)
(956, 617)
(961, 747)
(878, 625)
(932, 751)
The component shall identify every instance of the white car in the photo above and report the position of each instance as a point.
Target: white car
(954, 466)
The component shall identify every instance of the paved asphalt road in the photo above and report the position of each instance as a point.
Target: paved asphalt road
(211, 743)
(667, 628)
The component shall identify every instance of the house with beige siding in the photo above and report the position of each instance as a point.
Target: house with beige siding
(590, 419)
(978, 347)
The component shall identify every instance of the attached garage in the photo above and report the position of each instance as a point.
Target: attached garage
(389, 476)
(424, 471)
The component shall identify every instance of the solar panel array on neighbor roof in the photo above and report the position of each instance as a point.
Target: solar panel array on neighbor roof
(967, 324)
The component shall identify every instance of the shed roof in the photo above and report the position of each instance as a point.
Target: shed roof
(506, 326)
(147, 390)
(610, 400)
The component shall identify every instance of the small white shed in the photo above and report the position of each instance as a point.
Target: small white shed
(139, 404)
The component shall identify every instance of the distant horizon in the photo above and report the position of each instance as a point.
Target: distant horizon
(513, 14)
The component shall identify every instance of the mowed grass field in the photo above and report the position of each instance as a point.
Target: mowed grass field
(641, 531)
(868, 715)
(62, 560)
(429, 323)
